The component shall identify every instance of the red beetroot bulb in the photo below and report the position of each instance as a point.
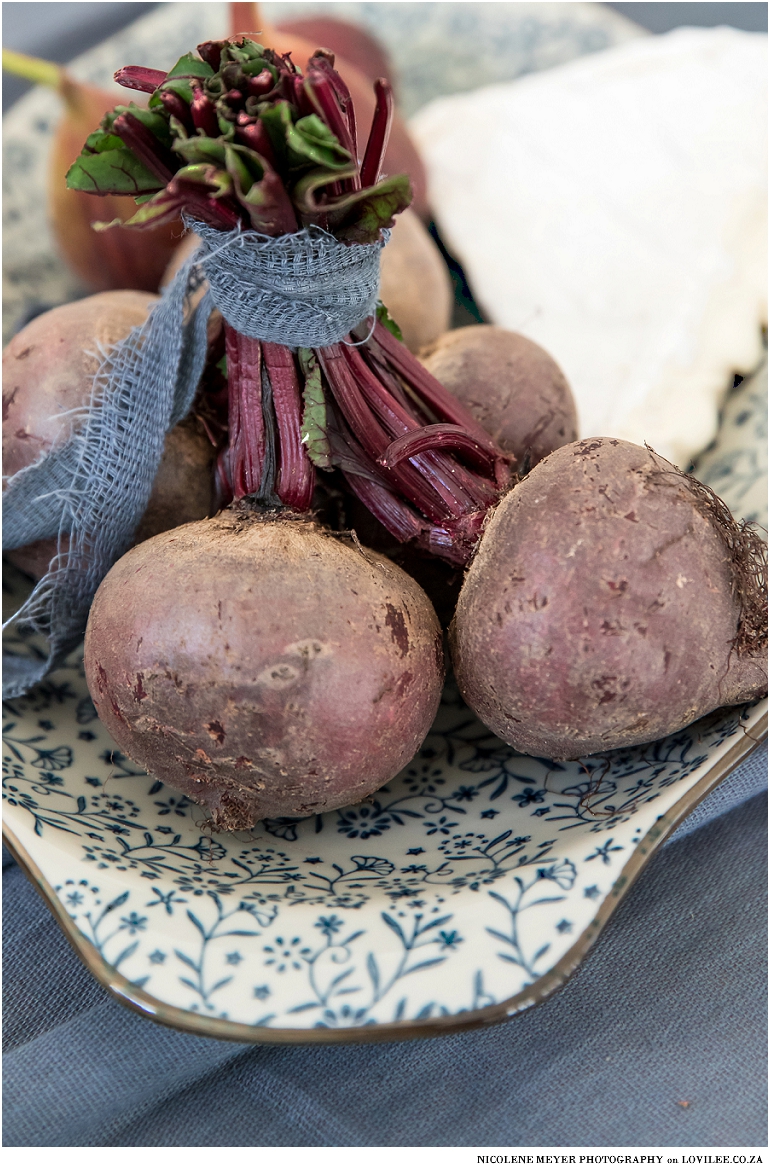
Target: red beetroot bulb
(262, 666)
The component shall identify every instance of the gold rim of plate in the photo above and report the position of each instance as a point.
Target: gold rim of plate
(136, 999)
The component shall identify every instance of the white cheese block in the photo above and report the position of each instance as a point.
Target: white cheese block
(614, 210)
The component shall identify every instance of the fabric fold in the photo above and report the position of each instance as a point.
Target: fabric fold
(95, 487)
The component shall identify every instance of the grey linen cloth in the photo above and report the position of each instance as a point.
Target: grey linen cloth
(303, 289)
(657, 1040)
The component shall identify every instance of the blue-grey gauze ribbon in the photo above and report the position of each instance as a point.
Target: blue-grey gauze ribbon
(92, 489)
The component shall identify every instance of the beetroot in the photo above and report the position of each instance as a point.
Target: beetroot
(358, 401)
(414, 283)
(49, 368)
(612, 601)
(513, 387)
(262, 666)
(48, 374)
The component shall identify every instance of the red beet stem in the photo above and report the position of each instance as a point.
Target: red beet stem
(436, 397)
(321, 94)
(398, 518)
(296, 477)
(251, 132)
(395, 416)
(384, 375)
(204, 114)
(322, 63)
(378, 135)
(360, 418)
(223, 484)
(145, 146)
(437, 470)
(247, 432)
(434, 436)
(177, 108)
(372, 437)
(261, 84)
(211, 52)
(482, 491)
(299, 98)
(234, 99)
(194, 199)
(455, 541)
(137, 77)
(344, 450)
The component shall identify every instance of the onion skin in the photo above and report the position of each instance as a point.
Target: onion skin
(262, 667)
(599, 610)
(347, 41)
(118, 258)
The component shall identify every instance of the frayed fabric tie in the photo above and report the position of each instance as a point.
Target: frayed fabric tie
(92, 489)
(307, 289)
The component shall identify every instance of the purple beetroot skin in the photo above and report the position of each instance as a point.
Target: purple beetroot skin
(263, 667)
(612, 601)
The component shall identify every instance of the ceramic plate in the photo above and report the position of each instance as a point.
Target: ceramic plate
(464, 891)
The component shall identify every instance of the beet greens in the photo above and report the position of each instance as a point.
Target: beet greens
(238, 138)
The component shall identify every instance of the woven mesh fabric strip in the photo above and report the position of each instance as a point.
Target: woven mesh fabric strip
(96, 486)
(307, 289)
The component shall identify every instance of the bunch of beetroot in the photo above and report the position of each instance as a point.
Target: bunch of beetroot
(237, 137)
(268, 667)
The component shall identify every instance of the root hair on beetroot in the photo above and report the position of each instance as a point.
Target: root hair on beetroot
(747, 553)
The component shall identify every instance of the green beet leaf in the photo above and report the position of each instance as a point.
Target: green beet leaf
(384, 318)
(190, 66)
(181, 87)
(116, 171)
(304, 192)
(277, 122)
(102, 140)
(254, 67)
(313, 430)
(269, 206)
(215, 87)
(373, 209)
(176, 85)
(249, 51)
(155, 123)
(244, 165)
(178, 131)
(226, 127)
(219, 182)
(161, 209)
(200, 150)
(358, 216)
(311, 141)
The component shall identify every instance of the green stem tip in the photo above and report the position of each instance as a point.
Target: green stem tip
(44, 73)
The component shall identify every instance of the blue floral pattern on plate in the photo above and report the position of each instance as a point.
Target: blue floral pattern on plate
(456, 886)
(470, 875)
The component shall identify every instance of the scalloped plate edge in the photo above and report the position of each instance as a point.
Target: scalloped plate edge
(137, 1000)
